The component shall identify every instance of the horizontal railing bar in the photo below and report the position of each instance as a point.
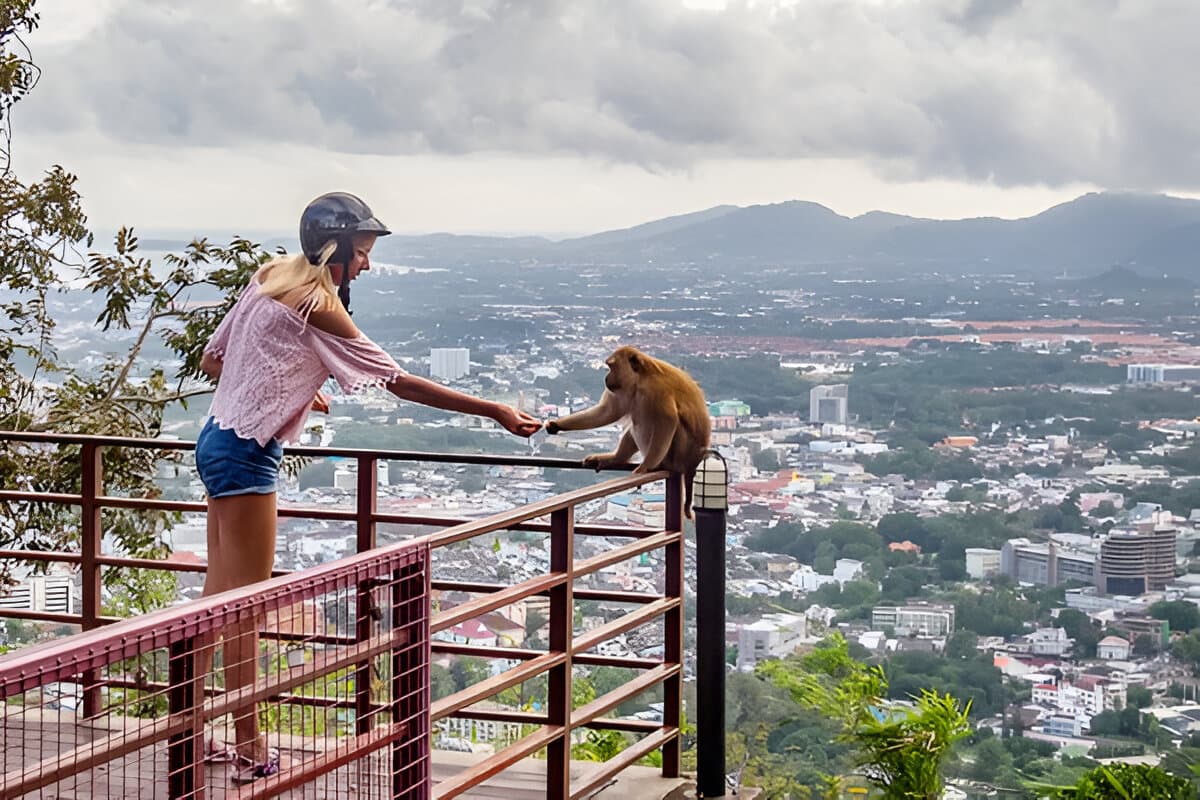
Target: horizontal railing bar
(626, 662)
(475, 587)
(496, 715)
(518, 654)
(497, 683)
(605, 596)
(52, 498)
(312, 452)
(542, 508)
(482, 651)
(620, 762)
(481, 605)
(531, 718)
(628, 691)
(489, 767)
(41, 616)
(41, 555)
(624, 623)
(619, 554)
(630, 725)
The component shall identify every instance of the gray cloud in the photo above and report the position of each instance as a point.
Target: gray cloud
(1015, 93)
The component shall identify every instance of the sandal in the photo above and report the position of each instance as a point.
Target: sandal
(249, 770)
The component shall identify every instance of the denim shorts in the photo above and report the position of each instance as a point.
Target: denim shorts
(230, 465)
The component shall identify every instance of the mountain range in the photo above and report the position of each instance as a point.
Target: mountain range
(1155, 234)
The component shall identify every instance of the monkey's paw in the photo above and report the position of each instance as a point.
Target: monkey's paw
(598, 461)
(552, 426)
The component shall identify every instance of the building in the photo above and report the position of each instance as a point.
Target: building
(729, 408)
(915, 619)
(1162, 373)
(773, 636)
(1048, 563)
(1112, 648)
(982, 562)
(829, 403)
(449, 363)
(41, 593)
(1049, 642)
(1133, 562)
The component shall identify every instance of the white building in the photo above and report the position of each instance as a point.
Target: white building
(982, 562)
(773, 636)
(1113, 648)
(1162, 373)
(829, 403)
(449, 363)
(1049, 642)
(916, 619)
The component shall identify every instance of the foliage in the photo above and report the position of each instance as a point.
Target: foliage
(1126, 782)
(923, 463)
(1187, 650)
(972, 677)
(901, 749)
(1180, 615)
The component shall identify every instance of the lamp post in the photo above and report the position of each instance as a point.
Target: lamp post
(710, 502)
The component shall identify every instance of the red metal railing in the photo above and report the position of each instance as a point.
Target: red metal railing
(553, 729)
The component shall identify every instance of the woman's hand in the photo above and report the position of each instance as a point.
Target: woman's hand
(517, 422)
(320, 403)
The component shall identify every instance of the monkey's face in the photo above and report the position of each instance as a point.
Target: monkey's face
(623, 368)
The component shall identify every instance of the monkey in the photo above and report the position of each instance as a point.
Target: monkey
(664, 410)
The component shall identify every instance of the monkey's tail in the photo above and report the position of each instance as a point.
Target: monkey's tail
(688, 477)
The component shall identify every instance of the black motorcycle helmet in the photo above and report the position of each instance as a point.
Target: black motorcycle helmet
(337, 216)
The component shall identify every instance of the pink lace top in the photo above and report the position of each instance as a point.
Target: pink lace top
(273, 363)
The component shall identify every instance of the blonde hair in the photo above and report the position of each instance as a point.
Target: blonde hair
(296, 275)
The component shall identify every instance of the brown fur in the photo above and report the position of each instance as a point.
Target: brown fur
(667, 416)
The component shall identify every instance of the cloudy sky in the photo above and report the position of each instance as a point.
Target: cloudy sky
(565, 116)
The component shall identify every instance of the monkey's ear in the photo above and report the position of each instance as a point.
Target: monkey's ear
(635, 362)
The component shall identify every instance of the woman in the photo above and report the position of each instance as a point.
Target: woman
(284, 337)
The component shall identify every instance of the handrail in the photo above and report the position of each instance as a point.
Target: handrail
(553, 729)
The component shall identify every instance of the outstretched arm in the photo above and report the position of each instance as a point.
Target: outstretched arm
(606, 412)
(426, 392)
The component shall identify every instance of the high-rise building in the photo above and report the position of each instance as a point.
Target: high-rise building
(1133, 562)
(449, 363)
(829, 403)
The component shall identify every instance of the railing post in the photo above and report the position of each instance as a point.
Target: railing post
(411, 696)
(364, 607)
(91, 487)
(711, 503)
(562, 634)
(185, 699)
(673, 625)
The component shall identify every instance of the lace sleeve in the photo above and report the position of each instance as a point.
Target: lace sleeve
(354, 363)
(220, 338)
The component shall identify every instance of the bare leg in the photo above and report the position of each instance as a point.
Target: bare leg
(213, 576)
(246, 532)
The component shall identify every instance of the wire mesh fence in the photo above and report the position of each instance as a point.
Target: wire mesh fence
(313, 685)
